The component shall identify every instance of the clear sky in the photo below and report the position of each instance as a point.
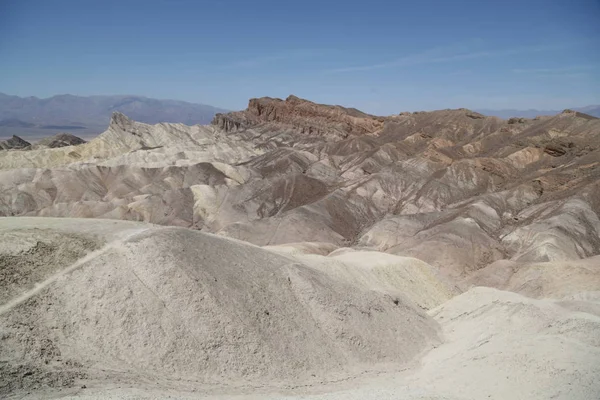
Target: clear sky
(380, 56)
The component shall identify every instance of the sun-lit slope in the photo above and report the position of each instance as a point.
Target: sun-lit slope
(403, 277)
(132, 171)
(453, 180)
(165, 195)
(476, 189)
(497, 345)
(127, 142)
(176, 303)
(502, 345)
(554, 279)
(503, 225)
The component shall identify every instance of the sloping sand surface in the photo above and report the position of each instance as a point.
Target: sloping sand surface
(135, 311)
(498, 345)
(179, 304)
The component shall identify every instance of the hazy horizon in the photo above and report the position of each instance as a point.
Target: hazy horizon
(382, 57)
(491, 111)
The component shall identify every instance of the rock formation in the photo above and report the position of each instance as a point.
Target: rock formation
(302, 116)
(417, 206)
(14, 143)
(293, 171)
(60, 140)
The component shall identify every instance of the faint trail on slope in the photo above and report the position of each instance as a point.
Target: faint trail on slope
(42, 285)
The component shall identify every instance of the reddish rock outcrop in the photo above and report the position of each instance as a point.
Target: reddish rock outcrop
(301, 115)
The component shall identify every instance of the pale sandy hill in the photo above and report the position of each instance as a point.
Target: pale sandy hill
(178, 304)
(498, 345)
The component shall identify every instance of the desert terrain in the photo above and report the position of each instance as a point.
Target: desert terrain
(301, 250)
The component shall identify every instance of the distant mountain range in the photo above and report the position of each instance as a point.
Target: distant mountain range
(590, 110)
(34, 117)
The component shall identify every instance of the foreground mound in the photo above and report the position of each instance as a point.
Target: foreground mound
(502, 345)
(176, 303)
(498, 345)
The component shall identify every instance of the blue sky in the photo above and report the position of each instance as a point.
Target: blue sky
(380, 56)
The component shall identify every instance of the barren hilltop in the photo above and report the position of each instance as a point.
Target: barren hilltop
(441, 254)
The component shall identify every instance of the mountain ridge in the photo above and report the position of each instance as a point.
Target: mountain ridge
(296, 167)
(33, 117)
(38, 117)
(593, 110)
